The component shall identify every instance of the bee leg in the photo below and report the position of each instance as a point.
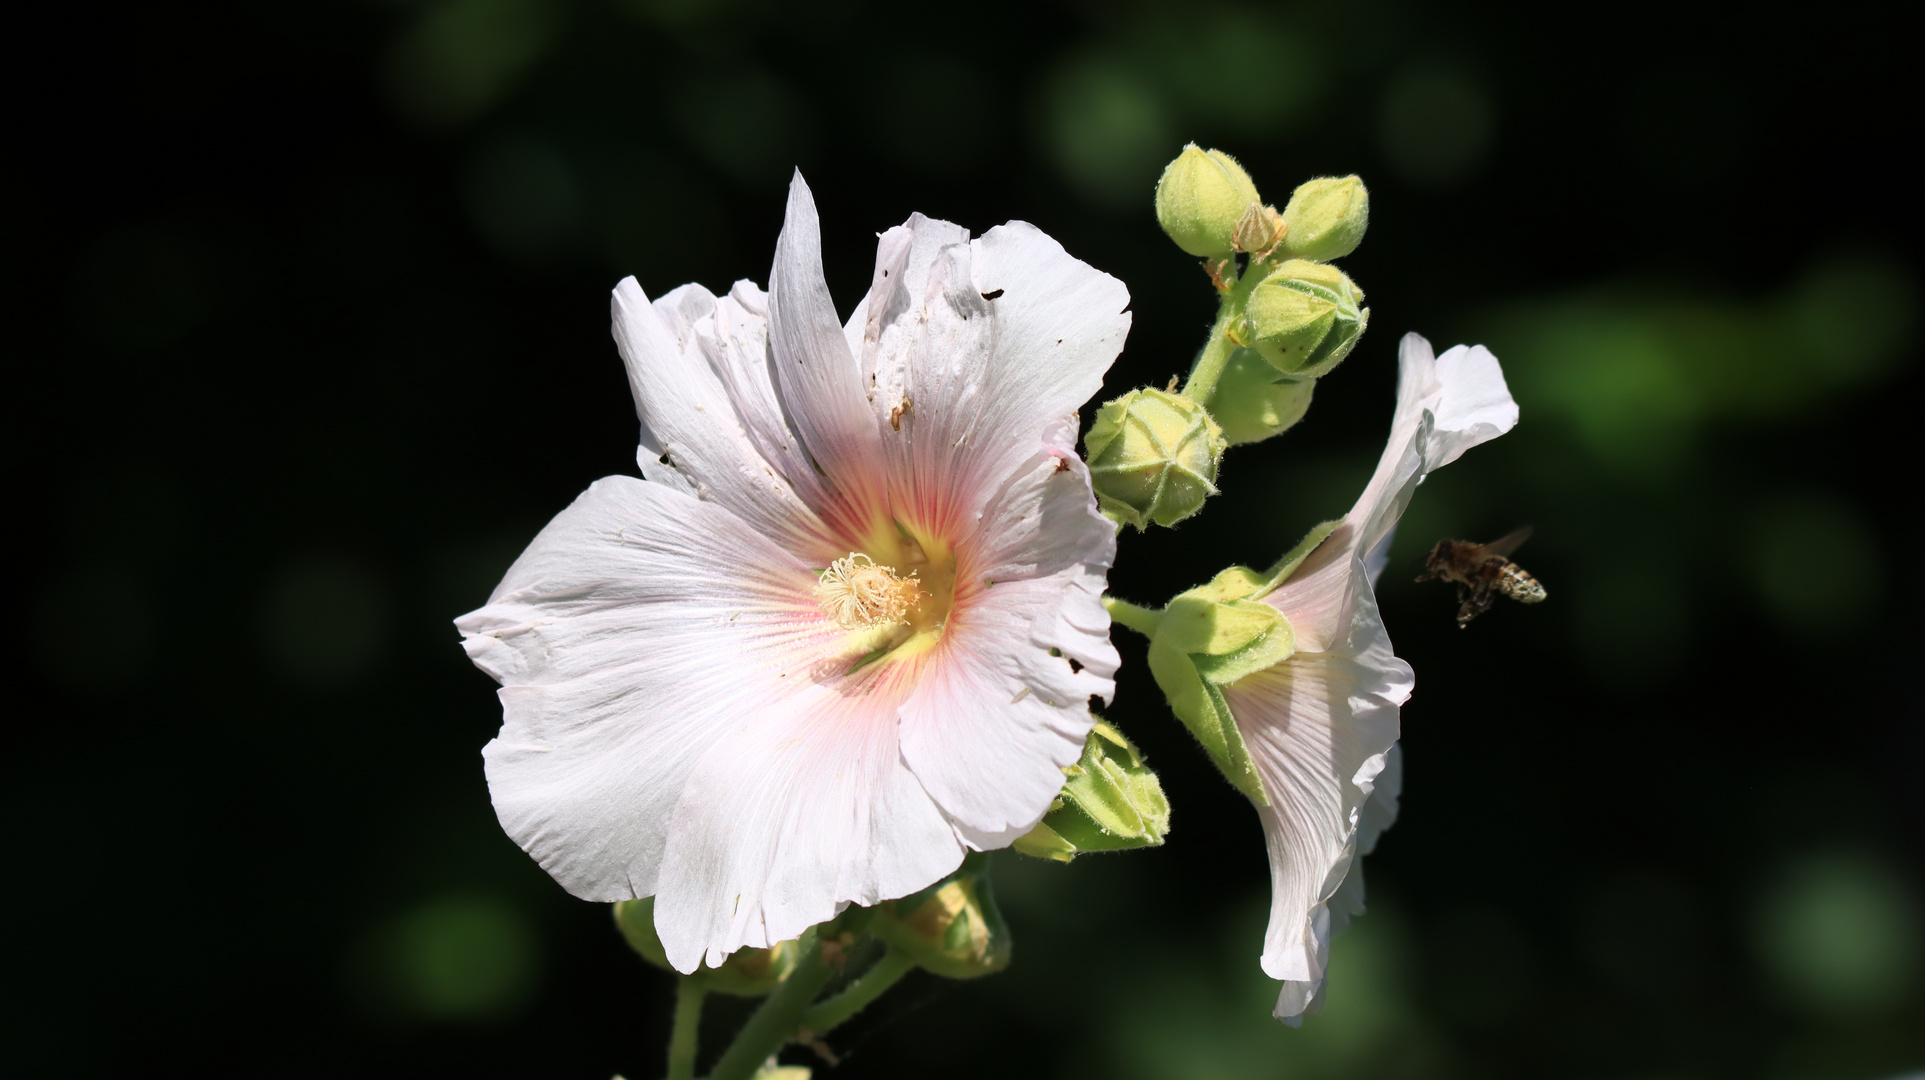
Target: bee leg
(1478, 602)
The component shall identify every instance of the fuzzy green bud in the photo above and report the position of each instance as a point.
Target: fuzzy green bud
(953, 928)
(1110, 801)
(1304, 318)
(1201, 198)
(1254, 401)
(1326, 218)
(746, 973)
(1153, 457)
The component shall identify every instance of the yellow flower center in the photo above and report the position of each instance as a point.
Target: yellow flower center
(894, 598)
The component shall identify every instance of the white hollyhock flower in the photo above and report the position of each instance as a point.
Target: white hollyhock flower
(1321, 727)
(850, 623)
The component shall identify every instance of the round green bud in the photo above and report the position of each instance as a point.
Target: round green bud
(1200, 199)
(1255, 401)
(1304, 318)
(952, 929)
(1153, 457)
(1326, 218)
(746, 973)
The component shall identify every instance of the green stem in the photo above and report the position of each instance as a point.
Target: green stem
(1201, 385)
(1140, 619)
(781, 1013)
(885, 973)
(689, 992)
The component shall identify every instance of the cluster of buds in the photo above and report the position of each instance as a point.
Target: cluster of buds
(1288, 317)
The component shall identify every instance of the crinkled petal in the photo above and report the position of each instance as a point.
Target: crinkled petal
(970, 348)
(1318, 727)
(1322, 726)
(1005, 704)
(797, 810)
(639, 626)
(687, 414)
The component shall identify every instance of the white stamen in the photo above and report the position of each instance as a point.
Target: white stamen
(859, 594)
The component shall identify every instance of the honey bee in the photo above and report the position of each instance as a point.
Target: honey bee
(1481, 571)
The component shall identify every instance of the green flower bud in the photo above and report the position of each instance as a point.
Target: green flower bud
(746, 973)
(1253, 401)
(953, 928)
(1215, 634)
(1326, 218)
(1153, 456)
(1111, 801)
(1200, 199)
(1304, 318)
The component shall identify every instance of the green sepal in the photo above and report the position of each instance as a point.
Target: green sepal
(1179, 668)
(1216, 634)
(1286, 566)
(952, 928)
(746, 972)
(1110, 801)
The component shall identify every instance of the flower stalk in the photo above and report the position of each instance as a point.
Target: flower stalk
(776, 1022)
(825, 1016)
(1215, 355)
(1141, 619)
(690, 991)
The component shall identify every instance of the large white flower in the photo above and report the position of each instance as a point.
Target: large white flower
(1321, 727)
(850, 624)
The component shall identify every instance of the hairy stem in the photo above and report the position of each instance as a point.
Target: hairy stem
(689, 992)
(1140, 619)
(1201, 386)
(886, 972)
(776, 1021)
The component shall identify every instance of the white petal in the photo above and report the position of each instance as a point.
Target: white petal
(970, 349)
(796, 811)
(1318, 727)
(1474, 407)
(637, 629)
(687, 411)
(815, 371)
(995, 719)
(1444, 407)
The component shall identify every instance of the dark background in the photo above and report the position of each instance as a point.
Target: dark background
(306, 318)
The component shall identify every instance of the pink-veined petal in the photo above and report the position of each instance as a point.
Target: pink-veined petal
(636, 629)
(1031, 639)
(797, 810)
(970, 348)
(815, 373)
(1318, 727)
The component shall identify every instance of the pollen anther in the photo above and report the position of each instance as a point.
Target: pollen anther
(858, 594)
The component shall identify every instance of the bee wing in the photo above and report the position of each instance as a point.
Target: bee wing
(1508, 543)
